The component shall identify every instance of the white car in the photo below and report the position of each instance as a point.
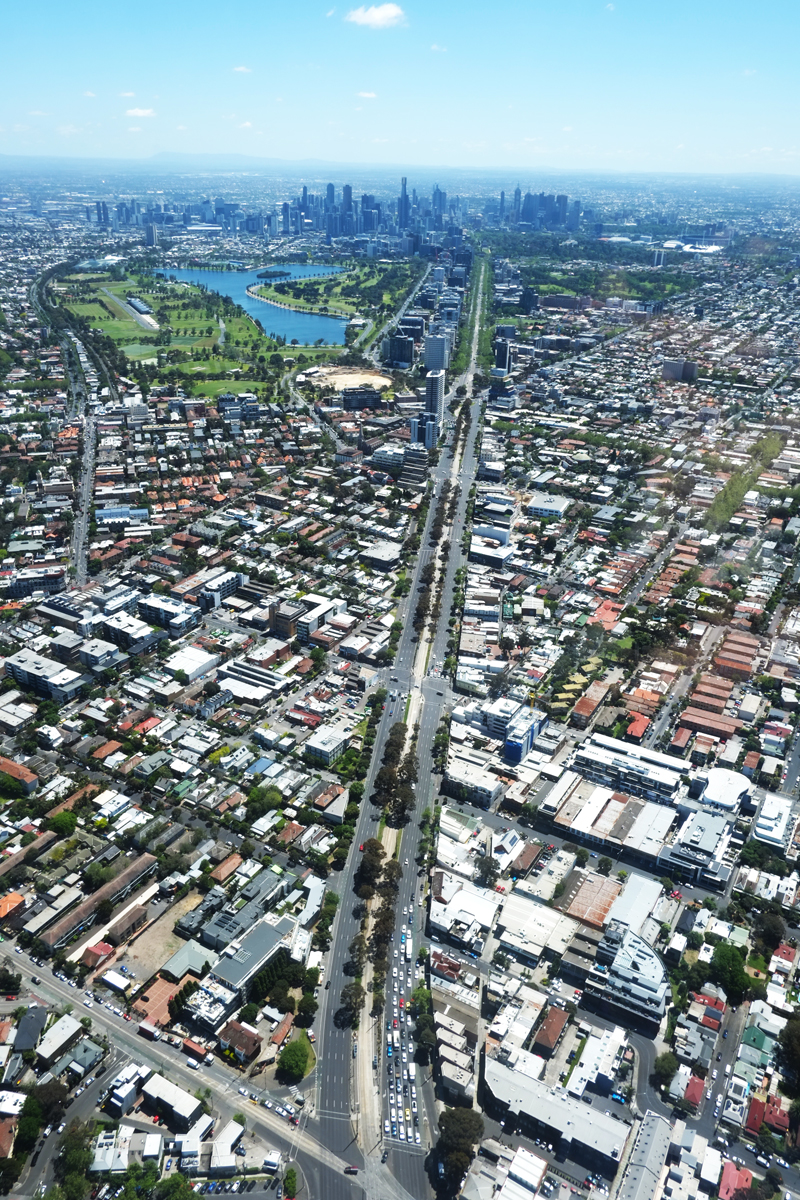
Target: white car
(386, 1126)
(417, 1137)
(393, 1114)
(394, 972)
(395, 954)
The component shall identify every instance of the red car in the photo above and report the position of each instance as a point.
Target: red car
(394, 1026)
(361, 847)
(402, 1002)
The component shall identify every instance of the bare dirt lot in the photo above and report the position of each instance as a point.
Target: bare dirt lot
(146, 954)
(342, 377)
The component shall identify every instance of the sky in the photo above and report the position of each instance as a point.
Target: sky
(701, 86)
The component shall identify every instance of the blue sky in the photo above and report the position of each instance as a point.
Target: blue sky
(577, 84)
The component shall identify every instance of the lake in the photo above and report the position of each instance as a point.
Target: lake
(306, 327)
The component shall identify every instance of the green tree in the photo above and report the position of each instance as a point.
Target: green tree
(664, 1068)
(604, 865)
(293, 1060)
(290, 1183)
(581, 856)
(727, 970)
(488, 871)
(63, 823)
(460, 1130)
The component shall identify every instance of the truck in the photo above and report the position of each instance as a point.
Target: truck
(409, 952)
(396, 1040)
(412, 1071)
(149, 1031)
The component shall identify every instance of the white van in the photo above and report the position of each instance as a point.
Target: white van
(193, 1063)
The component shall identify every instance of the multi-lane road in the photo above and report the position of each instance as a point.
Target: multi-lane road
(338, 1104)
(80, 528)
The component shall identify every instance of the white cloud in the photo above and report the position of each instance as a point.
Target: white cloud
(377, 16)
(36, 113)
(330, 12)
(566, 129)
(243, 70)
(609, 7)
(134, 129)
(439, 49)
(68, 130)
(140, 112)
(180, 128)
(749, 71)
(246, 125)
(90, 94)
(367, 95)
(127, 93)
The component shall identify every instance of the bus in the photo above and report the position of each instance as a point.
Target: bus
(409, 952)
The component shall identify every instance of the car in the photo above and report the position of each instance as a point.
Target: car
(406, 862)
(242, 1091)
(169, 1164)
(88, 1004)
(312, 1037)
(384, 1156)
(386, 1126)
(724, 1033)
(719, 1057)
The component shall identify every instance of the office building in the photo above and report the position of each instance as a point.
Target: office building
(326, 744)
(579, 1131)
(543, 505)
(398, 351)
(437, 352)
(360, 397)
(243, 960)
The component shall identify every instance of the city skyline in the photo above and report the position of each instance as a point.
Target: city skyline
(525, 88)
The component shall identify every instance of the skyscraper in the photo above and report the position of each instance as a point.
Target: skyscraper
(438, 201)
(502, 205)
(434, 394)
(347, 199)
(529, 207)
(403, 205)
(437, 352)
(517, 201)
(330, 197)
